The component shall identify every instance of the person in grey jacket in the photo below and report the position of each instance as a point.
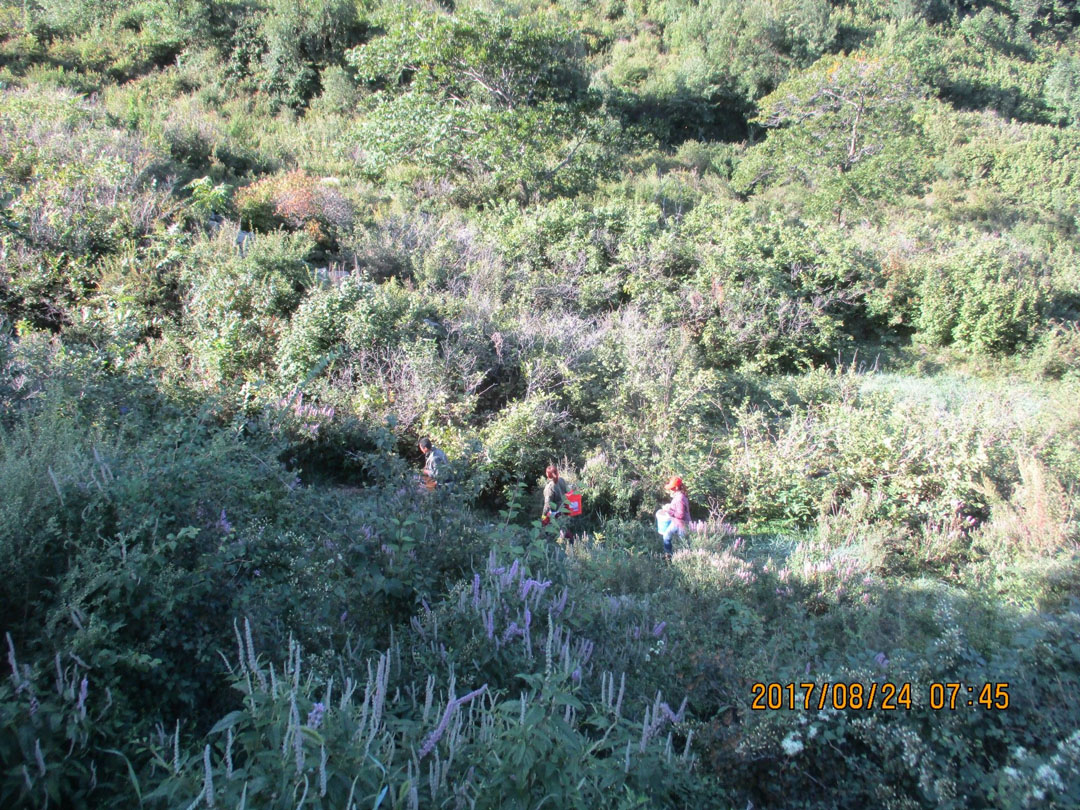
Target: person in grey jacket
(436, 465)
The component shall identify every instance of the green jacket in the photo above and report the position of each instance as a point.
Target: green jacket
(554, 495)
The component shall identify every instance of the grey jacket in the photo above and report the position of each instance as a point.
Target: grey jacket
(435, 463)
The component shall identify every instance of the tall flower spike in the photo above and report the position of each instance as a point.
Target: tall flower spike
(547, 647)
(686, 750)
(84, 686)
(39, 758)
(429, 694)
(298, 740)
(228, 753)
(12, 662)
(322, 771)
(59, 676)
(646, 724)
(176, 750)
(208, 777)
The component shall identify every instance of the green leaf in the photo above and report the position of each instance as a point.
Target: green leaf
(228, 721)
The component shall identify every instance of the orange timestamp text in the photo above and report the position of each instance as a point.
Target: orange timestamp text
(885, 696)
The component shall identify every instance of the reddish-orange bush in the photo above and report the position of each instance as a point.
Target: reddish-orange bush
(295, 201)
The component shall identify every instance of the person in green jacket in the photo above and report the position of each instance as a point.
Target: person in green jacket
(555, 491)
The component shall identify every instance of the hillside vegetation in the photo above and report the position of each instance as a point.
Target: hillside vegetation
(819, 259)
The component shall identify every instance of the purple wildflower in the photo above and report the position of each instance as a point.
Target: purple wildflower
(585, 650)
(658, 629)
(223, 523)
(881, 660)
(510, 575)
(315, 716)
(674, 717)
(575, 676)
(84, 687)
(533, 584)
(436, 735)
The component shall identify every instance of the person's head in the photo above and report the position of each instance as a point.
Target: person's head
(425, 445)
(675, 484)
(552, 472)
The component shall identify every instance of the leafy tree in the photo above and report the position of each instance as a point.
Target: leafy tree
(701, 74)
(284, 46)
(484, 58)
(488, 98)
(845, 127)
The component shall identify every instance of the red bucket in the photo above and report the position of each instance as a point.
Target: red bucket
(573, 504)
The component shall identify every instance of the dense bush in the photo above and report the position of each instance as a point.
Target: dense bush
(237, 303)
(983, 297)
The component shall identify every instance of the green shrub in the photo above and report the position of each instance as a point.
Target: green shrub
(523, 439)
(774, 295)
(984, 297)
(238, 303)
(58, 726)
(1063, 89)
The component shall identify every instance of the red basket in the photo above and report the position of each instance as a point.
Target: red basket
(573, 504)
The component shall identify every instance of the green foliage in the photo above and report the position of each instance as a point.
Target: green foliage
(749, 266)
(817, 259)
(700, 76)
(208, 198)
(496, 60)
(300, 39)
(494, 100)
(524, 438)
(983, 297)
(73, 189)
(59, 727)
(1063, 89)
(484, 742)
(845, 128)
(356, 317)
(237, 304)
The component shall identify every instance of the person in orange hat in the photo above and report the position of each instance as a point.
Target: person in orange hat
(678, 512)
